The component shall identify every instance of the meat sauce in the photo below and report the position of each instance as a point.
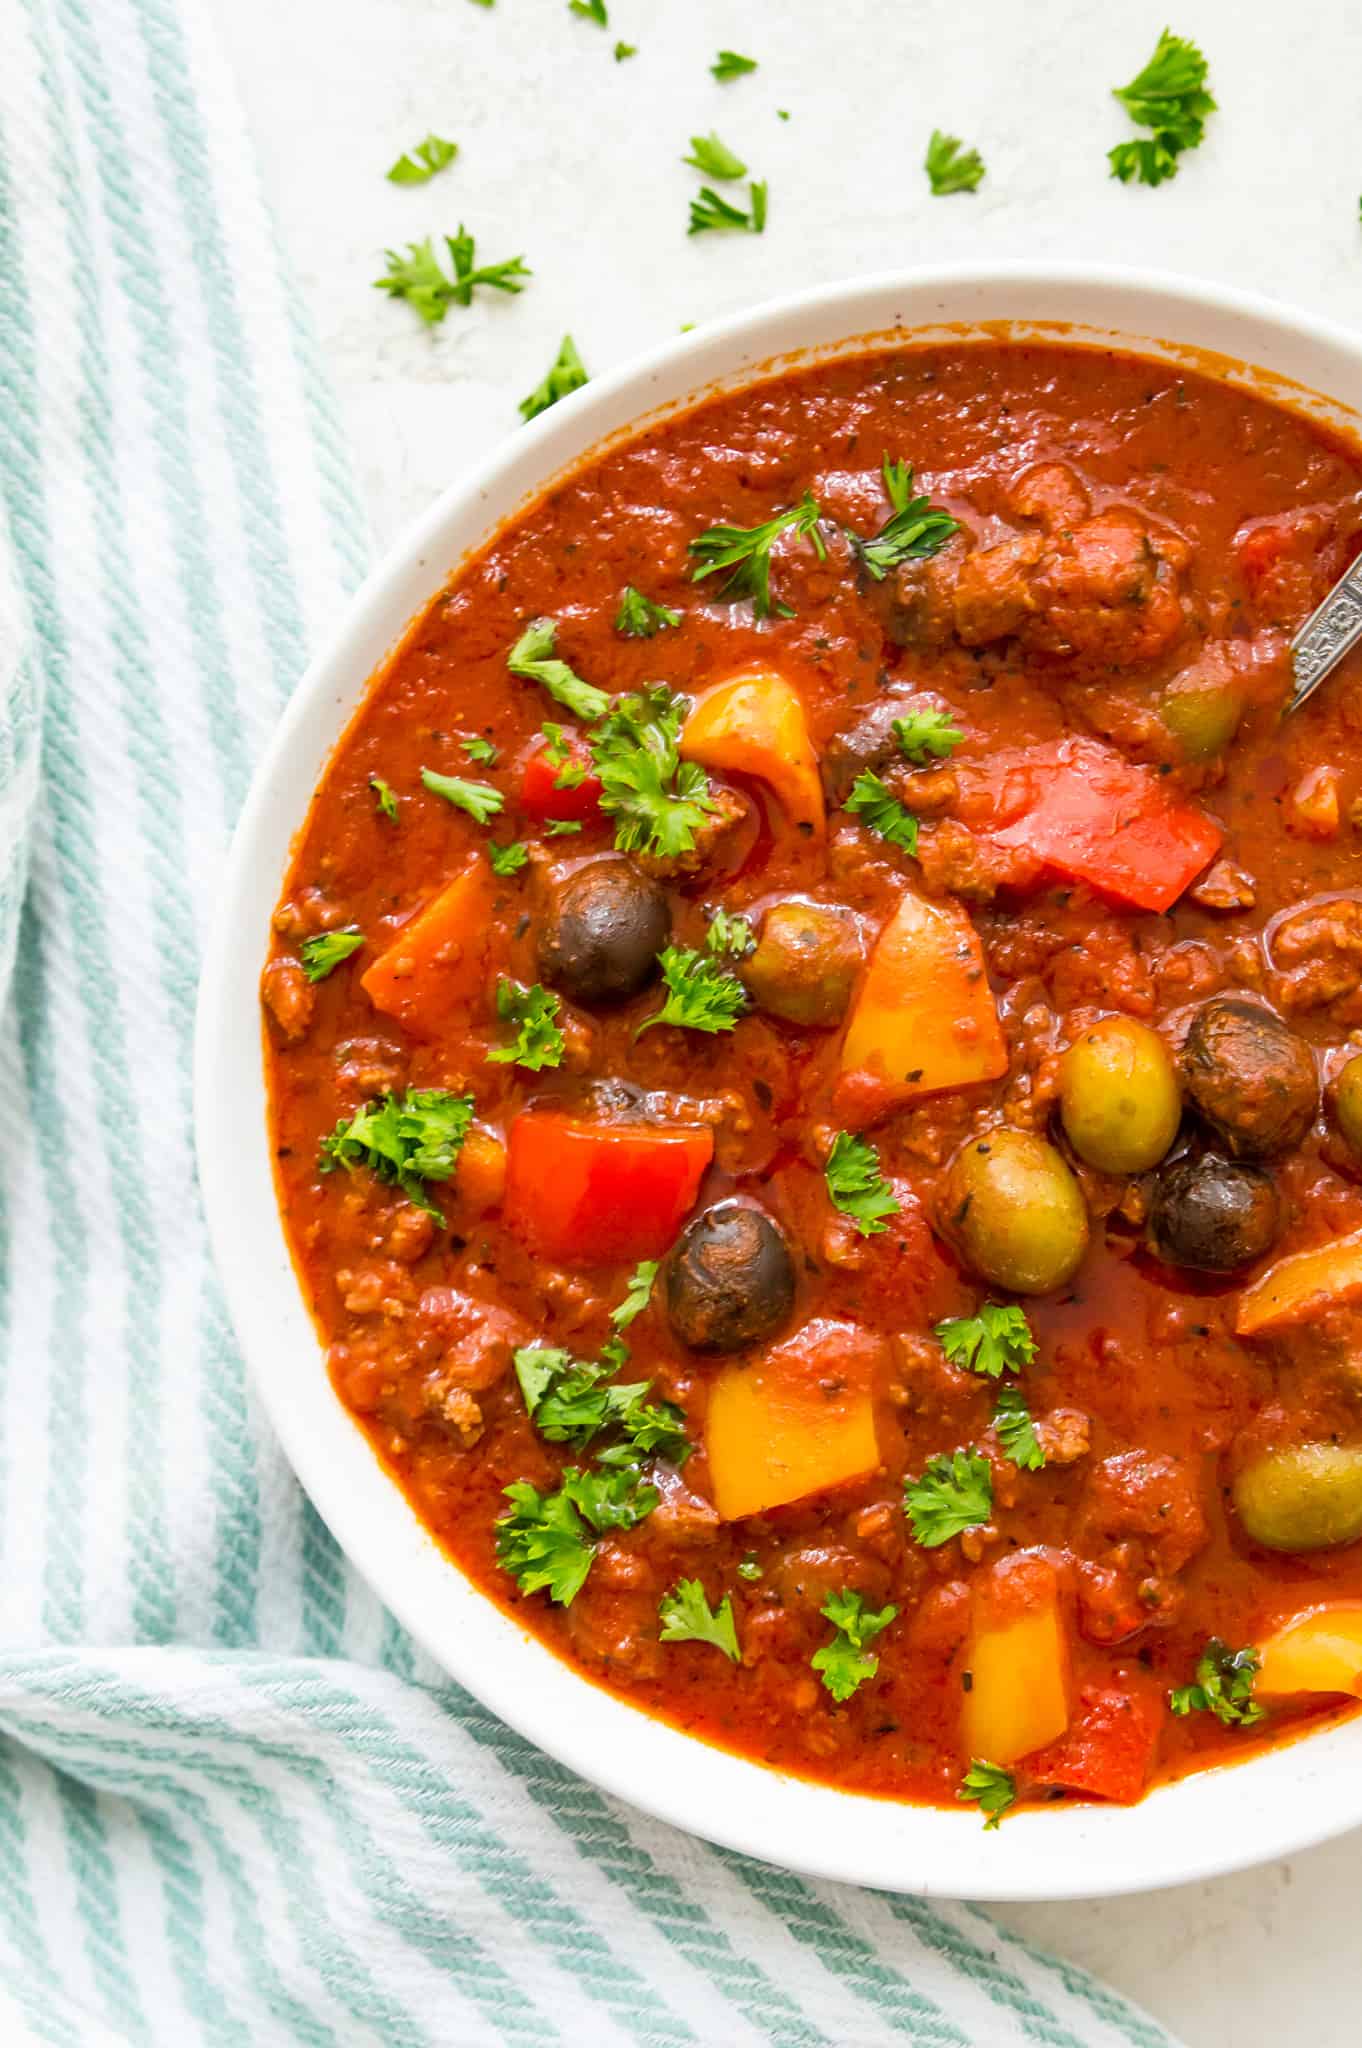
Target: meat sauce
(1134, 546)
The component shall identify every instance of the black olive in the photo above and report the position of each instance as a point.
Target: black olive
(1214, 1215)
(1251, 1077)
(601, 930)
(729, 1279)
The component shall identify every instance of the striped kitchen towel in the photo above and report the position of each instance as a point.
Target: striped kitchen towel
(236, 1806)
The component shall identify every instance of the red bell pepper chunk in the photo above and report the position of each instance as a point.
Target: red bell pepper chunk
(1109, 1747)
(540, 796)
(1099, 819)
(595, 1193)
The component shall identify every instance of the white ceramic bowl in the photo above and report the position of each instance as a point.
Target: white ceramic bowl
(1215, 1822)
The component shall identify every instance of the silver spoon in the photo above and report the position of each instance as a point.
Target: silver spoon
(1330, 632)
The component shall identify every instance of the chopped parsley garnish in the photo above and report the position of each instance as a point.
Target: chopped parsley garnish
(534, 659)
(637, 1295)
(561, 828)
(479, 799)
(746, 550)
(418, 166)
(845, 1663)
(927, 735)
(322, 954)
(871, 802)
(687, 1617)
(990, 1788)
(714, 158)
(623, 50)
(701, 995)
(479, 749)
(1170, 97)
(638, 618)
(530, 1013)
(560, 753)
(1015, 1430)
(857, 1186)
(729, 934)
(418, 278)
(508, 860)
(955, 1493)
(565, 373)
(546, 1541)
(750, 1568)
(384, 796)
(406, 1141)
(709, 209)
(1223, 1686)
(657, 800)
(914, 530)
(996, 1341)
(728, 64)
(573, 1401)
(590, 10)
(950, 167)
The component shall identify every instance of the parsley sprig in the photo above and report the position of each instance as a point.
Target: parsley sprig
(657, 800)
(565, 374)
(637, 1295)
(508, 860)
(573, 1401)
(950, 167)
(479, 799)
(531, 1013)
(996, 1341)
(915, 529)
(845, 1663)
(417, 166)
(729, 936)
(406, 1141)
(927, 735)
(1223, 1686)
(385, 797)
(714, 158)
(418, 278)
(687, 1617)
(1170, 97)
(728, 64)
(701, 994)
(534, 658)
(639, 618)
(873, 804)
(955, 1493)
(1015, 1430)
(746, 550)
(710, 210)
(322, 954)
(547, 1541)
(856, 1185)
(990, 1788)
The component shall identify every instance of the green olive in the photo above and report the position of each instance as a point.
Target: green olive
(1203, 718)
(1118, 1096)
(1015, 1212)
(1305, 1497)
(1348, 1102)
(806, 962)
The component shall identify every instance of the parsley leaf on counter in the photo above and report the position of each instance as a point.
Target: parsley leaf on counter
(418, 166)
(1223, 1686)
(623, 50)
(746, 550)
(657, 800)
(687, 1617)
(406, 1141)
(384, 797)
(955, 1493)
(508, 860)
(950, 167)
(996, 1341)
(533, 658)
(418, 278)
(566, 373)
(1170, 97)
(989, 1787)
(731, 934)
(914, 530)
(322, 954)
(845, 1663)
(701, 995)
(709, 210)
(531, 1014)
(479, 799)
(479, 749)
(1015, 1430)
(590, 10)
(872, 803)
(714, 158)
(927, 735)
(638, 618)
(637, 1294)
(856, 1185)
(728, 64)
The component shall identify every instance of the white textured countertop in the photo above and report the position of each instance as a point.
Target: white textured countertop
(573, 160)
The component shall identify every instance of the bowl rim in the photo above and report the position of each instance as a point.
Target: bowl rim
(1304, 1792)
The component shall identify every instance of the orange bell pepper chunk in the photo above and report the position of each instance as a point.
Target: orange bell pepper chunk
(795, 1422)
(1018, 1660)
(1319, 1652)
(595, 1193)
(924, 1018)
(436, 970)
(1300, 1286)
(754, 724)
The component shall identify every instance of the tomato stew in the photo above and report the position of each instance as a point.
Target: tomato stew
(813, 1037)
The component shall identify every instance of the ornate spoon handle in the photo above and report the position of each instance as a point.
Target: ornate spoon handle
(1327, 635)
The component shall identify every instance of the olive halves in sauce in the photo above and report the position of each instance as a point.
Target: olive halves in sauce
(728, 1282)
